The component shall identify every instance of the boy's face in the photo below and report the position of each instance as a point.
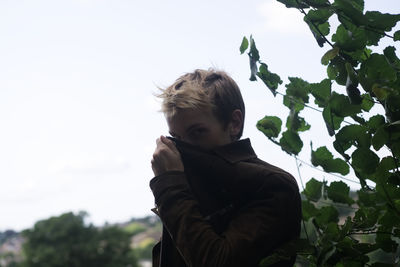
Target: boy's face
(199, 127)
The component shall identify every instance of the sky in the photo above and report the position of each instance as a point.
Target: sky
(78, 116)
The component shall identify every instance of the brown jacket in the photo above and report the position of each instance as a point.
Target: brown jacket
(228, 208)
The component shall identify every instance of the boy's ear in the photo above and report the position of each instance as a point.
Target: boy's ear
(236, 124)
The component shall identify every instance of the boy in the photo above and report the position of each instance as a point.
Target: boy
(219, 204)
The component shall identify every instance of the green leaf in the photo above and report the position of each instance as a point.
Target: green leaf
(308, 210)
(381, 92)
(379, 21)
(354, 94)
(352, 10)
(351, 74)
(313, 189)
(244, 45)
(319, 16)
(332, 121)
(396, 36)
(294, 3)
(332, 72)
(324, 28)
(380, 138)
(336, 165)
(351, 135)
(330, 54)
(350, 40)
(394, 179)
(375, 122)
(341, 106)
(364, 160)
(296, 123)
(337, 71)
(298, 88)
(303, 246)
(351, 85)
(368, 198)
(324, 158)
(317, 3)
(318, 30)
(390, 54)
(367, 102)
(293, 103)
(254, 57)
(377, 69)
(373, 37)
(283, 253)
(389, 219)
(391, 192)
(358, 119)
(366, 217)
(321, 92)
(271, 80)
(332, 232)
(358, 4)
(365, 247)
(339, 192)
(270, 126)
(385, 169)
(290, 142)
(385, 242)
(346, 227)
(326, 215)
(358, 55)
(253, 49)
(392, 107)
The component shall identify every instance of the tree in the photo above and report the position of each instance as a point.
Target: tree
(66, 241)
(366, 138)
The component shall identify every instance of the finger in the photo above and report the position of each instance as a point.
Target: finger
(158, 141)
(160, 145)
(168, 143)
(165, 141)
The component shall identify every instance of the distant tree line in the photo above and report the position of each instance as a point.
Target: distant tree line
(67, 240)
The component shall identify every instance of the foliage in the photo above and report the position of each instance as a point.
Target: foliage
(145, 248)
(366, 141)
(134, 228)
(67, 241)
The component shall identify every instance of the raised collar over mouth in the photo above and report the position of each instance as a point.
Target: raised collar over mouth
(233, 152)
(236, 151)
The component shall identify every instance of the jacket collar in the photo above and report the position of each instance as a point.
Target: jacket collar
(237, 151)
(233, 152)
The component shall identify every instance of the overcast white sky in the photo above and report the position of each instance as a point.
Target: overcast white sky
(78, 120)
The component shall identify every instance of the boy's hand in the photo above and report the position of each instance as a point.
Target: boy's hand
(166, 157)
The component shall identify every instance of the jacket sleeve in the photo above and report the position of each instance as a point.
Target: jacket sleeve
(256, 229)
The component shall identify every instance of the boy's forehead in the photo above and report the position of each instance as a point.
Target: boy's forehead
(192, 113)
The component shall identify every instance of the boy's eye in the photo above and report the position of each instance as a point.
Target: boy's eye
(197, 132)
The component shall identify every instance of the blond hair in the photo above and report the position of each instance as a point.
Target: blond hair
(204, 89)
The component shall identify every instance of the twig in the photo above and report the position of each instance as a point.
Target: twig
(370, 233)
(338, 176)
(298, 171)
(312, 23)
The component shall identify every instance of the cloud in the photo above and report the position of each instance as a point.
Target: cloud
(279, 18)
